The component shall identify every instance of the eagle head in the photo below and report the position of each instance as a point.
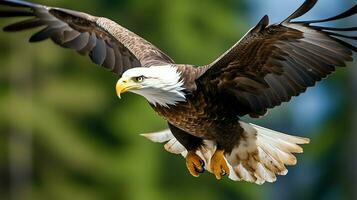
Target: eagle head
(160, 85)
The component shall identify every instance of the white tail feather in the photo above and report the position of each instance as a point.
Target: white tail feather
(174, 146)
(261, 155)
(162, 136)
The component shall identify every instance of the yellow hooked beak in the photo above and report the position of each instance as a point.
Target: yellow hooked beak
(125, 84)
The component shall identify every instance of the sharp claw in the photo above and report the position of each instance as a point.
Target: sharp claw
(199, 170)
(202, 163)
(223, 172)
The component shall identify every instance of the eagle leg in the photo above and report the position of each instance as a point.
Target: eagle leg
(219, 165)
(194, 164)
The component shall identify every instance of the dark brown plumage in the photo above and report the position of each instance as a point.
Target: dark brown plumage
(268, 66)
(271, 64)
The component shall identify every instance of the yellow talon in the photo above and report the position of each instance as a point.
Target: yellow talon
(219, 165)
(194, 164)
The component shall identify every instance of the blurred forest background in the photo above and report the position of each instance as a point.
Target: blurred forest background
(64, 134)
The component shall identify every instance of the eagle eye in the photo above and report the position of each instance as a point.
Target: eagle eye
(139, 79)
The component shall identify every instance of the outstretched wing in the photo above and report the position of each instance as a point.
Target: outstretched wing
(271, 64)
(107, 43)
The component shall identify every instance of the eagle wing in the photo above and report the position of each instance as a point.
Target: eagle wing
(271, 64)
(107, 43)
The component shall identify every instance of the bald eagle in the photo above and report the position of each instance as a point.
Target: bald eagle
(203, 104)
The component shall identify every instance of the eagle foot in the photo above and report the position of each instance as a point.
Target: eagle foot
(194, 163)
(219, 165)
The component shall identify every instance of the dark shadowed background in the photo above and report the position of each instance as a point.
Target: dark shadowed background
(65, 135)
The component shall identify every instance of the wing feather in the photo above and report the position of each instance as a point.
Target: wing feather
(271, 64)
(107, 43)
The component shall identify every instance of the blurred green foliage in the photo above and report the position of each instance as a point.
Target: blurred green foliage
(84, 142)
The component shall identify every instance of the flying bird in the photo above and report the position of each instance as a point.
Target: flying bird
(203, 104)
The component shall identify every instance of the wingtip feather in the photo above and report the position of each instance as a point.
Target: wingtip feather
(304, 8)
